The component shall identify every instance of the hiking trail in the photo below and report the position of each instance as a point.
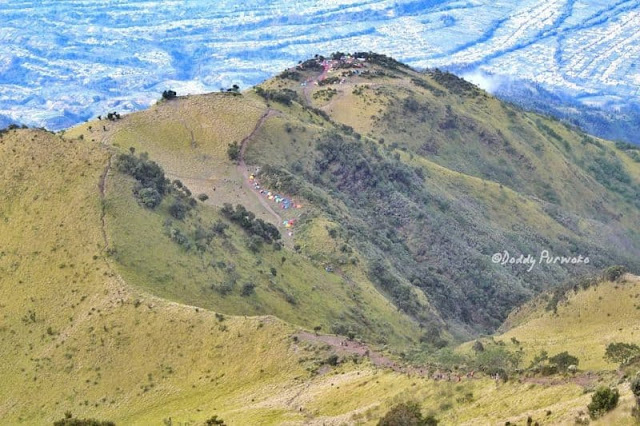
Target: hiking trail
(242, 166)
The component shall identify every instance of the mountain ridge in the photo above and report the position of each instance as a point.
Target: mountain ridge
(214, 314)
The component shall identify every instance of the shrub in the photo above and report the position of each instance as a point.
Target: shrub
(214, 421)
(290, 75)
(497, 360)
(635, 387)
(603, 400)
(255, 243)
(614, 273)
(621, 352)
(169, 94)
(477, 346)
(149, 197)
(284, 96)
(563, 360)
(248, 221)
(332, 360)
(224, 288)
(233, 151)
(179, 238)
(148, 173)
(203, 197)
(178, 209)
(70, 421)
(406, 414)
(248, 289)
(219, 227)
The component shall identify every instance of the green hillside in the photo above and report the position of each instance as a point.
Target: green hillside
(417, 179)
(313, 251)
(428, 177)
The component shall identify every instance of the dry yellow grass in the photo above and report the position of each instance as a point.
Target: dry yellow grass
(585, 323)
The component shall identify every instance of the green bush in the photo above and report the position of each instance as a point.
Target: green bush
(214, 421)
(148, 173)
(151, 182)
(290, 75)
(621, 352)
(563, 360)
(149, 197)
(603, 400)
(284, 96)
(233, 151)
(70, 421)
(169, 94)
(406, 414)
(332, 360)
(248, 289)
(248, 221)
(614, 273)
(635, 387)
(178, 209)
(179, 238)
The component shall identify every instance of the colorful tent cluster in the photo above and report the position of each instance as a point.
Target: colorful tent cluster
(285, 202)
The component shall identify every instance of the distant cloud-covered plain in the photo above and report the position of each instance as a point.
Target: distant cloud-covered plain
(65, 61)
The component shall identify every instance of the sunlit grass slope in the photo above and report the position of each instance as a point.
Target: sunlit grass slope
(583, 324)
(77, 337)
(492, 177)
(189, 138)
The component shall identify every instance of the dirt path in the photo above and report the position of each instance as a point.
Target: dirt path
(102, 185)
(580, 379)
(306, 92)
(242, 167)
(344, 347)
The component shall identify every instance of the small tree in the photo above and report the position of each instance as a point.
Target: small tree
(563, 360)
(603, 400)
(169, 94)
(635, 389)
(178, 209)
(406, 414)
(621, 352)
(149, 197)
(248, 289)
(614, 273)
(233, 151)
(203, 197)
(332, 360)
(477, 346)
(214, 421)
(255, 243)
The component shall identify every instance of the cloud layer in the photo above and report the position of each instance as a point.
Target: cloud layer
(64, 61)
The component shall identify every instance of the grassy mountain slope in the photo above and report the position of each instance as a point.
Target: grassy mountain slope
(76, 337)
(433, 175)
(584, 323)
(301, 292)
(409, 182)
